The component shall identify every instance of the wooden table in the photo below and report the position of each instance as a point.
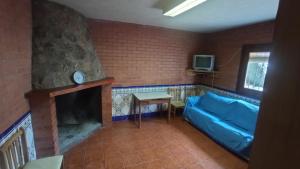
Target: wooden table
(150, 98)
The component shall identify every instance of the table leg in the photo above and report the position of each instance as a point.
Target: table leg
(140, 115)
(172, 110)
(134, 109)
(159, 109)
(169, 110)
(174, 113)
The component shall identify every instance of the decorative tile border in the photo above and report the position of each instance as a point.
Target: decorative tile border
(131, 117)
(230, 94)
(25, 123)
(122, 97)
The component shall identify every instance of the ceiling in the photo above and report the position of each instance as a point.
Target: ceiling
(213, 15)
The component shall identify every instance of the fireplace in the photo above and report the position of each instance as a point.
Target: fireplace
(78, 115)
(55, 122)
(64, 113)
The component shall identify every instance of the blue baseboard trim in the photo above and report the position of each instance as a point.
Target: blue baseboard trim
(131, 117)
(16, 123)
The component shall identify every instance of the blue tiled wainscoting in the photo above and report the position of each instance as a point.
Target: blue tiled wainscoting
(122, 102)
(25, 123)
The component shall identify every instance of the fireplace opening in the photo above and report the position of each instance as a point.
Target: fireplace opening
(78, 115)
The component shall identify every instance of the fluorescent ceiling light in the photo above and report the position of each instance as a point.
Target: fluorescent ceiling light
(183, 7)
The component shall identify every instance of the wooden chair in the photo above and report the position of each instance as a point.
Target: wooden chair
(13, 155)
(176, 102)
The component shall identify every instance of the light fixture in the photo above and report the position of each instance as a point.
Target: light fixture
(182, 6)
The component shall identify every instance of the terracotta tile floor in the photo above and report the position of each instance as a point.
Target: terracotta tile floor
(157, 145)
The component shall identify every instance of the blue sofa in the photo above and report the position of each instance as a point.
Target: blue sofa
(230, 122)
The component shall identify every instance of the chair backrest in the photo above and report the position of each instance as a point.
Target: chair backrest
(175, 93)
(13, 153)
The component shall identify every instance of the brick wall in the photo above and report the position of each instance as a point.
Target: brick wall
(144, 55)
(227, 47)
(15, 59)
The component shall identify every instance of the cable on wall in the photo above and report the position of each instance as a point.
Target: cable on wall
(235, 54)
(231, 58)
(213, 79)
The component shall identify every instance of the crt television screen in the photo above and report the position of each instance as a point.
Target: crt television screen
(203, 62)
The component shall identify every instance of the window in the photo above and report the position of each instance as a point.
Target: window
(256, 70)
(253, 70)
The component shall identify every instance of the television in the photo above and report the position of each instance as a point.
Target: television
(203, 63)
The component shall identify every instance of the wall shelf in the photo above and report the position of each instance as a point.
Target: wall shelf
(192, 72)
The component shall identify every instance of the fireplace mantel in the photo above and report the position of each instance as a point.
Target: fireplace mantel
(70, 89)
(43, 108)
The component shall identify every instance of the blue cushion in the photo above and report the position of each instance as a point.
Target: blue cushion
(243, 115)
(232, 137)
(200, 118)
(215, 104)
(191, 102)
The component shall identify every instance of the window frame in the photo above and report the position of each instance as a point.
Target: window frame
(246, 50)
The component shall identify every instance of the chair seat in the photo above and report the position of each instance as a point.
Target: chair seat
(54, 162)
(177, 104)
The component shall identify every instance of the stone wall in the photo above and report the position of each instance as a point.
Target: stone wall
(61, 45)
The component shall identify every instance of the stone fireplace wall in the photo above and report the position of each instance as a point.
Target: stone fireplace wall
(61, 45)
